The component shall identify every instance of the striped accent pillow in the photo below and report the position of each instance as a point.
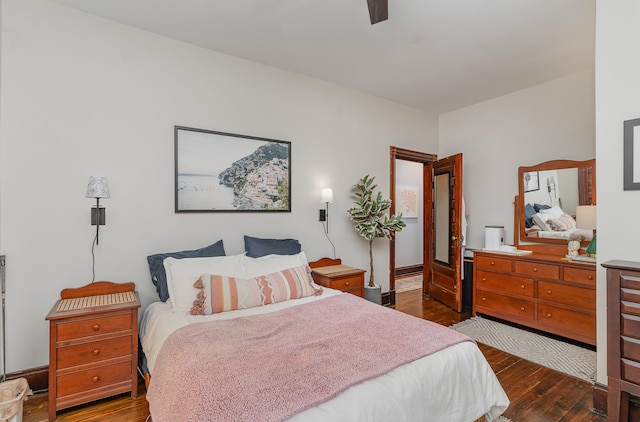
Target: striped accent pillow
(563, 223)
(218, 293)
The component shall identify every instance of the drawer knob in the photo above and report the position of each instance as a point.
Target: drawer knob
(346, 283)
(96, 378)
(96, 327)
(484, 299)
(548, 292)
(522, 308)
(535, 270)
(484, 278)
(590, 277)
(493, 263)
(522, 286)
(548, 315)
(96, 352)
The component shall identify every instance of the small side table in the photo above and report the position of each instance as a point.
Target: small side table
(334, 275)
(93, 344)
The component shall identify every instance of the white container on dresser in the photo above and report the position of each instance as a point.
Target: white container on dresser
(545, 292)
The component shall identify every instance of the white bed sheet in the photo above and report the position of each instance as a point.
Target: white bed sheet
(454, 384)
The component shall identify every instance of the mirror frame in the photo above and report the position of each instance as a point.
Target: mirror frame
(548, 165)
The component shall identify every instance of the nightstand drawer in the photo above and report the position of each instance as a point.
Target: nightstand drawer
(96, 351)
(93, 378)
(94, 326)
(346, 283)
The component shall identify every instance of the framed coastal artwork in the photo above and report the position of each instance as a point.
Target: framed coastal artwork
(227, 172)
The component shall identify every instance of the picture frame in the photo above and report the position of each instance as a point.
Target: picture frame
(631, 154)
(407, 202)
(227, 172)
(531, 181)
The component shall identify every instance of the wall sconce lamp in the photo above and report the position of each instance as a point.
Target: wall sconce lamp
(326, 197)
(586, 219)
(98, 187)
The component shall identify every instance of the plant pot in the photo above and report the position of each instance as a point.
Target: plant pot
(373, 294)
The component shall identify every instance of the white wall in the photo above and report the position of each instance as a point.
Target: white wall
(546, 122)
(409, 243)
(84, 96)
(617, 87)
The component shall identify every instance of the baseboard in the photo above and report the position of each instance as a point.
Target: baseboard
(412, 269)
(38, 378)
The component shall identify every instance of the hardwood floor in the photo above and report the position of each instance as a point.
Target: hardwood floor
(537, 394)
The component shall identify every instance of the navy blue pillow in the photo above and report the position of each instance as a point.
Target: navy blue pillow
(529, 212)
(257, 247)
(156, 267)
(539, 207)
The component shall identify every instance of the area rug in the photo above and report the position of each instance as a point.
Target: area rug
(405, 284)
(555, 354)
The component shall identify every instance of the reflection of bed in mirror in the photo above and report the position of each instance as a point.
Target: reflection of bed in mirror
(549, 196)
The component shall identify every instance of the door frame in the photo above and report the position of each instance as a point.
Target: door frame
(425, 159)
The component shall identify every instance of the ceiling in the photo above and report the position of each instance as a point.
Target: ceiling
(435, 55)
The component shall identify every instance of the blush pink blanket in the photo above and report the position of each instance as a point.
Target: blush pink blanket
(269, 367)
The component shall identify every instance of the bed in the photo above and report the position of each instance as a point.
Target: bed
(551, 222)
(347, 359)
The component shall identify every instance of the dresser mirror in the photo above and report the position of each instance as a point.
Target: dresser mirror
(548, 199)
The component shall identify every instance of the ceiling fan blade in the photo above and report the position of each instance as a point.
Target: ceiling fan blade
(378, 10)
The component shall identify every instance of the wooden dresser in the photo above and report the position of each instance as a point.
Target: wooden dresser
(545, 292)
(623, 336)
(332, 274)
(93, 344)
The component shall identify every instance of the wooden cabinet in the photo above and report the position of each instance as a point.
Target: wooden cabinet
(623, 336)
(340, 277)
(93, 344)
(545, 292)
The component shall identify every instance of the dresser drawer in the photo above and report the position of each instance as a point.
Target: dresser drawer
(94, 326)
(520, 308)
(538, 270)
(630, 326)
(567, 322)
(568, 295)
(505, 283)
(492, 263)
(579, 275)
(96, 351)
(630, 371)
(93, 378)
(630, 348)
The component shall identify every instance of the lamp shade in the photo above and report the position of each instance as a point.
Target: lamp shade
(98, 187)
(586, 217)
(326, 196)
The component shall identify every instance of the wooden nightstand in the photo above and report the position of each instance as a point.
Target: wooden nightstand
(93, 344)
(337, 276)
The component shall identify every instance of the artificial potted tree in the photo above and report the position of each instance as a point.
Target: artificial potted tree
(371, 222)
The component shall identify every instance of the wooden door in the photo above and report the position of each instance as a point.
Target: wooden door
(445, 232)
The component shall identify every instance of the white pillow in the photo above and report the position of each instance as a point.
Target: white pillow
(268, 264)
(182, 273)
(541, 222)
(553, 212)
